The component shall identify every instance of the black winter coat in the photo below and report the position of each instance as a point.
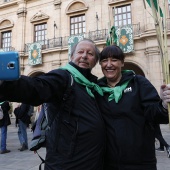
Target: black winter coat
(21, 113)
(129, 124)
(80, 144)
(6, 119)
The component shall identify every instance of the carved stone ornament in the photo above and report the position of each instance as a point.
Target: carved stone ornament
(57, 4)
(39, 16)
(5, 23)
(21, 12)
(76, 6)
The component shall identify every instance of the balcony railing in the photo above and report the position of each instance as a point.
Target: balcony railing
(63, 41)
(136, 29)
(98, 35)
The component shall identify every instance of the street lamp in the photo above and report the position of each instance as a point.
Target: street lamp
(55, 27)
(97, 19)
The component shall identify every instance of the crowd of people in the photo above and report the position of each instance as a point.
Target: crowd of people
(110, 124)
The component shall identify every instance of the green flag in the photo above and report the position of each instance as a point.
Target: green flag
(112, 39)
(156, 6)
(114, 35)
(107, 41)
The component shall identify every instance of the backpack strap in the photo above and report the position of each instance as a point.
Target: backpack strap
(43, 161)
(44, 109)
(66, 107)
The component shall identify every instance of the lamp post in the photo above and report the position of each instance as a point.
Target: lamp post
(55, 27)
(97, 19)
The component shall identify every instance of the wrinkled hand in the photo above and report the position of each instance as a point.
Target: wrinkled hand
(165, 95)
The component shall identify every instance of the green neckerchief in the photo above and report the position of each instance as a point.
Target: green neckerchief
(116, 92)
(79, 78)
(1, 103)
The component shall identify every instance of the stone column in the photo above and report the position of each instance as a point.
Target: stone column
(21, 12)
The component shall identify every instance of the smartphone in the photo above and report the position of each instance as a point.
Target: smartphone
(9, 65)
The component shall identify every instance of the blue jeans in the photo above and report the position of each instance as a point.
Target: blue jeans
(3, 137)
(22, 133)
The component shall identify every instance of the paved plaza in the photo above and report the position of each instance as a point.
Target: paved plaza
(27, 160)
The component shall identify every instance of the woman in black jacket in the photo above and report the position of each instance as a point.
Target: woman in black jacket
(130, 106)
(3, 125)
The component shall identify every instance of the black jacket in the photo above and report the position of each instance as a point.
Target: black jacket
(21, 113)
(130, 133)
(81, 141)
(6, 119)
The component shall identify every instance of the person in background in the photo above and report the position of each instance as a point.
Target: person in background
(130, 107)
(11, 109)
(162, 142)
(4, 123)
(23, 119)
(38, 109)
(76, 138)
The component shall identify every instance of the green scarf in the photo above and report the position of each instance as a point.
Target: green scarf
(1, 103)
(115, 92)
(79, 78)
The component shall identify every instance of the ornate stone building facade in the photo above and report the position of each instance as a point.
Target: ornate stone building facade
(52, 22)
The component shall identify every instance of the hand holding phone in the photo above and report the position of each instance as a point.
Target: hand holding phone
(9, 65)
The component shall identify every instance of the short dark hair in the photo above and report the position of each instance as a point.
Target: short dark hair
(112, 51)
(97, 51)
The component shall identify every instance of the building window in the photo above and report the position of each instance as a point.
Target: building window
(77, 25)
(122, 15)
(40, 32)
(6, 41)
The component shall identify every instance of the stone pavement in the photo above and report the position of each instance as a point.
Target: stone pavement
(27, 160)
(17, 160)
(163, 160)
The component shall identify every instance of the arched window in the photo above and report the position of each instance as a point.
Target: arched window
(76, 11)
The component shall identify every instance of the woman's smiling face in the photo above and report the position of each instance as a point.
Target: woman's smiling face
(111, 68)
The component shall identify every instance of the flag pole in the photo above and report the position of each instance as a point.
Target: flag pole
(165, 43)
(158, 33)
(162, 41)
(162, 35)
(166, 53)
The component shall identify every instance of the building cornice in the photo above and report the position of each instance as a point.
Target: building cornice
(8, 4)
(117, 2)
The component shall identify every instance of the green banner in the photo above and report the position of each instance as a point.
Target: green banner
(72, 40)
(34, 54)
(125, 38)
